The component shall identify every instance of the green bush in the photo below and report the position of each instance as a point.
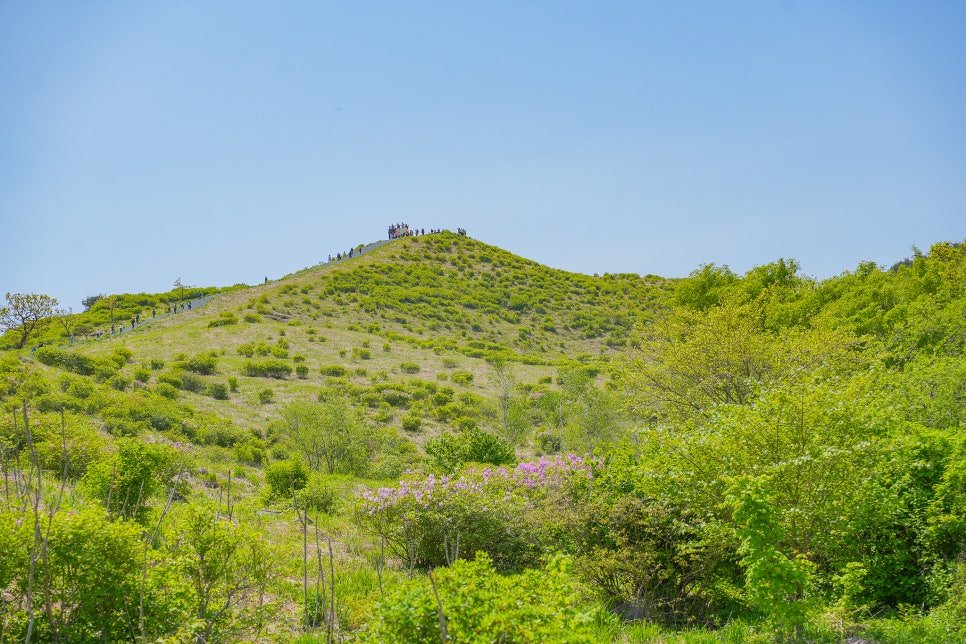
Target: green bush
(193, 383)
(266, 396)
(232, 383)
(409, 367)
(119, 382)
(166, 390)
(268, 369)
(128, 479)
(226, 318)
(411, 422)
(172, 378)
(451, 451)
(480, 605)
(218, 391)
(203, 363)
(334, 370)
(283, 476)
(253, 318)
(157, 363)
(302, 371)
(141, 374)
(461, 377)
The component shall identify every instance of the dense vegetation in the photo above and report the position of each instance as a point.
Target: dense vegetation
(440, 440)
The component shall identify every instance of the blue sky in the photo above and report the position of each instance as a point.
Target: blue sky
(225, 141)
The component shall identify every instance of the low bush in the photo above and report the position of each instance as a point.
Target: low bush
(334, 370)
(461, 377)
(409, 367)
(268, 369)
(538, 605)
(218, 391)
(166, 390)
(284, 476)
(411, 422)
(451, 451)
(226, 318)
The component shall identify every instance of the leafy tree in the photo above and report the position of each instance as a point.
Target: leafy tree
(689, 361)
(90, 300)
(775, 582)
(330, 434)
(66, 320)
(26, 313)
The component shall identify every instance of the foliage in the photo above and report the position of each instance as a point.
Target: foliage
(268, 369)
(126, 480)
(329, 434)
(434, 520)
(26, 314)
(478, 604)
(451, 451)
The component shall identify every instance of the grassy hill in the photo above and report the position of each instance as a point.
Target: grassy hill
(418, 312)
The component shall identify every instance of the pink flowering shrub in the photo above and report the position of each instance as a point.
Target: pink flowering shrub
(435, 520)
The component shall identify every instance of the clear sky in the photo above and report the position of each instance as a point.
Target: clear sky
(226, 141)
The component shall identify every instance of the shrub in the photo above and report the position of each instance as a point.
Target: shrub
(268, 369)
(495, 510)
(252, 318)
(166, 390)
(171, 378)
(203, 363)
(409, 367)
(461, 377)
(226, 318)
(411, 422)
(157, 363)
(320, 494)
(191, 382)
(218, 391)
(450, 363)
(282, 476)
(266, 396)
(279, 352)
(298, 357)
(142, 374)
(548, 442)
(232, 383)
(538, 605)
(334, 370)
(452, 451)
(119, 382)
(302, 371)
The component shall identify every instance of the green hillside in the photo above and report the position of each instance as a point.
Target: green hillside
(749, 457)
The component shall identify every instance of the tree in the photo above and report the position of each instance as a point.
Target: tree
(513, 419)
(91, 300)
(180, 287)
(329, 434)
(67, 320)
(26, 313)
(689, 361)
